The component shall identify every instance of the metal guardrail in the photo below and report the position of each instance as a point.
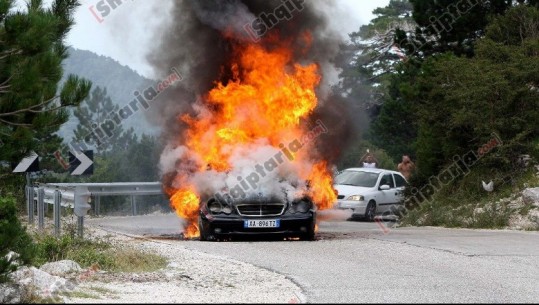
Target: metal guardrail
(77, 196)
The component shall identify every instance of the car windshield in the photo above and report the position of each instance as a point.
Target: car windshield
(357, 178)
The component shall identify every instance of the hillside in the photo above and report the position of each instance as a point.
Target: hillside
(120, 81)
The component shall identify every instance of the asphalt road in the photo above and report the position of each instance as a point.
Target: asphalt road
(359, 262)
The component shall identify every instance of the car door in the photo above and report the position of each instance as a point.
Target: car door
(387, 197)
(400, 184)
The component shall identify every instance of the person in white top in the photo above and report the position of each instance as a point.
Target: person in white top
(368, 160)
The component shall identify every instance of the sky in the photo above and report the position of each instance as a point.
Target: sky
(127, 32)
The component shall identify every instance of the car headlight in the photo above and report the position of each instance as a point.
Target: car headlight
(227, 210)
(292, 208)
(356, 198)
(303, 207)
(299, 207)
(215, 207)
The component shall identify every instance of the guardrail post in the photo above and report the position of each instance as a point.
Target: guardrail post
(41, 208)
(134, 205)
(30, 204)
(97, 207)
(80, 226)
(81, 207)
(57, 207)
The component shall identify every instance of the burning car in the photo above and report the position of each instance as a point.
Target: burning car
(250, 120)
(260, 215)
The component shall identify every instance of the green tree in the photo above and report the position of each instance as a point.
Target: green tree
(32, 105)
(92, 114)
(368, 63)
(451, 26)
(462, 101)
(376, 53)
(371, 55)
(395, 127)
(136, 161)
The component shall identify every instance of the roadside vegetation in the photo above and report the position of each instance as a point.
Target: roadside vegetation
(36, 249)
(95, 252)
(437, 92)
(467, 205)
(35, 100)
(13, 238)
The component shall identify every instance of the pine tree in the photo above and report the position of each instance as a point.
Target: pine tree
(93, 113)
(452, 26)
(32, 105)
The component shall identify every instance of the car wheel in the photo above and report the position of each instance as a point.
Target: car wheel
(371, 211)
(204, 234)
(309, 235)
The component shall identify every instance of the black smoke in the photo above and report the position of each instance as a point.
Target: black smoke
(198, 40)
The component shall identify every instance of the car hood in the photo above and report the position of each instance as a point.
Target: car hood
(349, 190)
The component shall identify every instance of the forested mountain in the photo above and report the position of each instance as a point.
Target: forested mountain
(120, 82)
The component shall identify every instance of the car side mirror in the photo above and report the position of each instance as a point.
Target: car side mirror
(384, 187)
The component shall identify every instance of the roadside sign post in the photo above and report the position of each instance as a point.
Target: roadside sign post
(29, 165)
(81, 163)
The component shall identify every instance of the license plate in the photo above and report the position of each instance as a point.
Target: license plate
(262, 223)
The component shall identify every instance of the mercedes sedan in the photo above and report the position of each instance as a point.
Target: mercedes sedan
(261, 215)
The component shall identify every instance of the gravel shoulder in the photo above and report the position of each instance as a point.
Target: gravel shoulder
(190, 277)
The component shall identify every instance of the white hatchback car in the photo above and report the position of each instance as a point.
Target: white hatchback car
(369, 191)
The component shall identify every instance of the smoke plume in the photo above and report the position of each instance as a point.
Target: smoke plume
(199, 41)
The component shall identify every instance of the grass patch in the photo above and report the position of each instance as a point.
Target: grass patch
(465, 204)
(132, 260)
(88, 252)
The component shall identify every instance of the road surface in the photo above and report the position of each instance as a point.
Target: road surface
(356, 261)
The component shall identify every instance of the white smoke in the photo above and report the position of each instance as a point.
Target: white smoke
(170, 156)
(256, 168)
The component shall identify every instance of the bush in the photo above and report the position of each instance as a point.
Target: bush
(13, 237)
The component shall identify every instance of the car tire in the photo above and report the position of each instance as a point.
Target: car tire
(204, 234)
(309, 235)
(370, 211)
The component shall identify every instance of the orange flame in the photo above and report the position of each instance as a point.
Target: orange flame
(322, 191)
(185, 203)
(268, 98)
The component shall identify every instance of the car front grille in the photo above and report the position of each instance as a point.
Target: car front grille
(261, 209)
(340, 197)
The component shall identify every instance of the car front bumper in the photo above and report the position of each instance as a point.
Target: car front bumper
(358, 207)
(230, 225)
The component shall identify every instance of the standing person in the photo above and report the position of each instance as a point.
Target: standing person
(368, 160)
(406, 167)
